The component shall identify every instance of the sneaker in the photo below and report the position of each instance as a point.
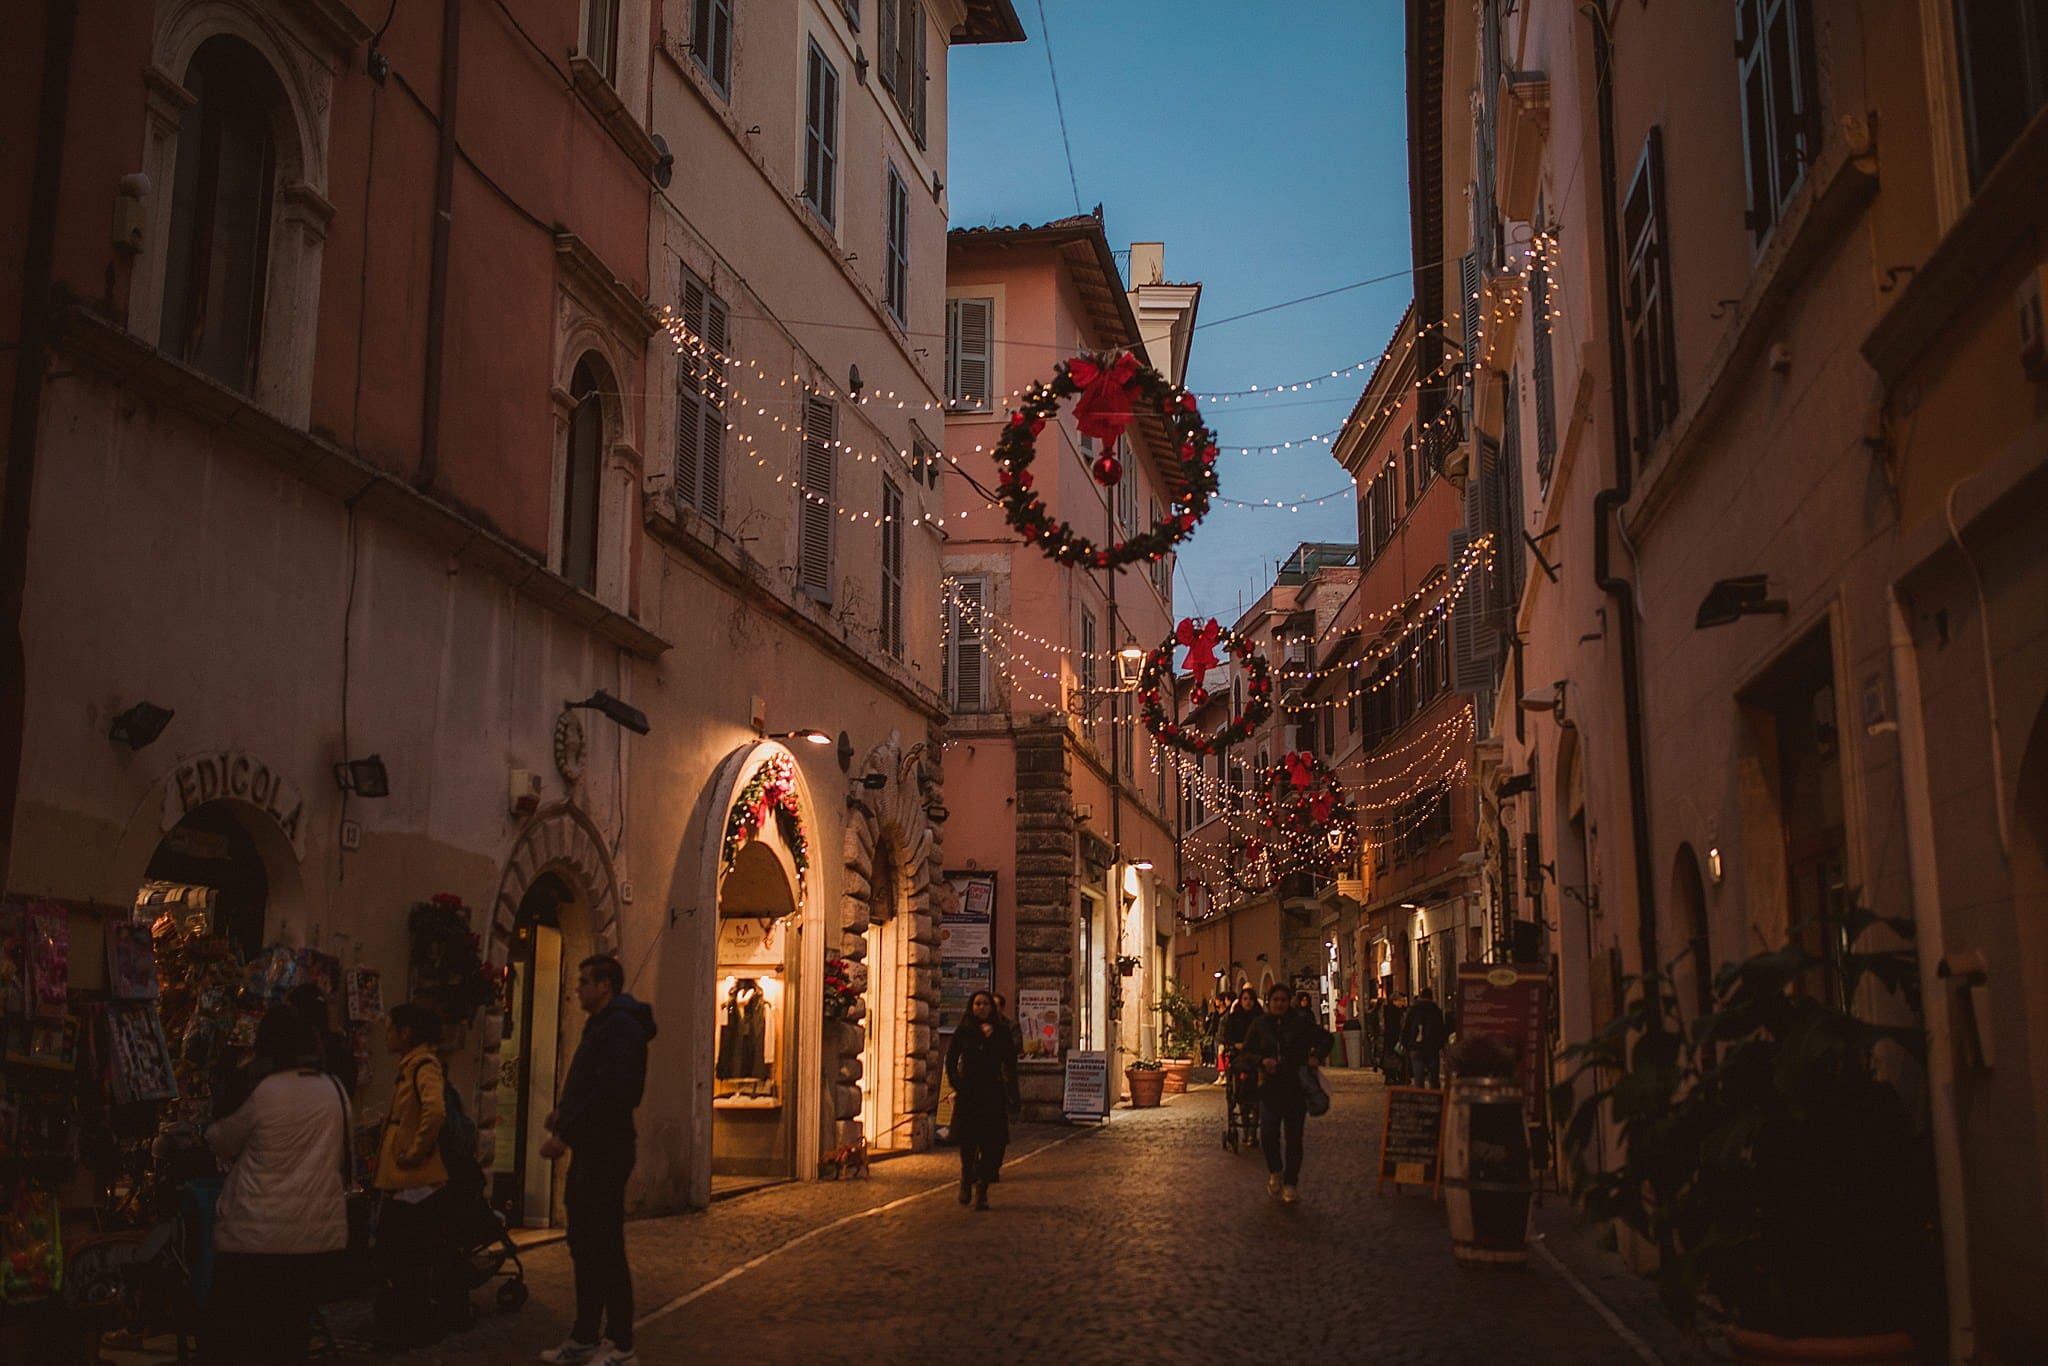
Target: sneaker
(1288, 1197)
(1273, 1184)
(615, 1357)
(572, 1353)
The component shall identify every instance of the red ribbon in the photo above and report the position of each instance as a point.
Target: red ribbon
(1201, 646)
(1104, 408)
(1300, 769)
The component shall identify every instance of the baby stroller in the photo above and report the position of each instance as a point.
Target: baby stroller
(1240, 1100)
(488, 1251)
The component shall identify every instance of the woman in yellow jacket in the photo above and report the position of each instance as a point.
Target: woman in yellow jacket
(414, 1246)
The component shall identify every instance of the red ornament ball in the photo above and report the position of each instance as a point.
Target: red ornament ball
(1109, 471)
(1198, 697)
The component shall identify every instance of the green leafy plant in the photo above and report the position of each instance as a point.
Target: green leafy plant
(1784, 1182)
(1181, 1025)
(1145, 1065)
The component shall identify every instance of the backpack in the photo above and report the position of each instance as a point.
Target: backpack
(458, 1140)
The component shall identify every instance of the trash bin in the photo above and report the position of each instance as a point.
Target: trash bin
(1353, 1044)
(1487, 1183)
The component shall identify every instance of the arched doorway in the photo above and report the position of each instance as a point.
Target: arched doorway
(884, 1048)
(550, 936)
(209, 862)
(756, 1043)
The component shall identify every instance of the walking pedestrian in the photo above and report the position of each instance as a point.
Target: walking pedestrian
(593, 1125)
(418, 1295)
(1285, 1041)
(1423, 1033)
(1392, 1014)
(283, 1210)
(983, 1071)
(1239, 1021)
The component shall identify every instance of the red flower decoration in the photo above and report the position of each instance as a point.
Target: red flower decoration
(1104, 408)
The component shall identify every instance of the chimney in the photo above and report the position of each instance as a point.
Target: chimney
(1148, 263)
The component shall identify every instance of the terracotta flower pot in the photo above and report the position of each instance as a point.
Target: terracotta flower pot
(1146, 1087)
(1176, 1070)
(1754, 1348)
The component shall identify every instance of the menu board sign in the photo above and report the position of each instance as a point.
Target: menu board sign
(1087, 1085)
(1505, 1005)
(1412, 1144)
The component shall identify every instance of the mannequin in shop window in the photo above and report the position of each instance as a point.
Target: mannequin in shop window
(743, 1034)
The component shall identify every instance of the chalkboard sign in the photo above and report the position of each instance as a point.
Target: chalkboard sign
(1412, 1145)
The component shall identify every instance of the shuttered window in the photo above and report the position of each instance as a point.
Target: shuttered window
(1087, 670)
(892, 568)
(821, 134)
(969, 373)
(700, 402)
(711, 42)
(601, 37)
(1126, 489)
(1780, 103)
(582, 478)
(966, 674)
(1544, 376)
(900, 45)
(1652, 361)
(896, 281)
(1468, 305)
(817, 509)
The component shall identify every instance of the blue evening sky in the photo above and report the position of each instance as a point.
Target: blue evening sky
(1271, 159)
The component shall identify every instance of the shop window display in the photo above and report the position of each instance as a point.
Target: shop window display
(749, 1004)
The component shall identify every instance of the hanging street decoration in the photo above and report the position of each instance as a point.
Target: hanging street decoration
(1202, 642)
(770, 792)
(1306, 803)
(1109, 391)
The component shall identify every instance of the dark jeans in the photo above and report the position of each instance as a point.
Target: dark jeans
(980, 1159)
(1426, 1073)
(260, 1311)
(420, 1267)
(1276, 1112)
(595, 1198)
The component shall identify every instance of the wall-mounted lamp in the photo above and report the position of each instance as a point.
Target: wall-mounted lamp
(613, 710)
(1733, 599)
(1714, 864)
(938, 185)
(1142, 864)
(1544, 699)
(139, 725)
(860, 66)
(664, 162)
(1130, 666)
(1517, 785)
(809, 735)
(363, 777)
(854, 383)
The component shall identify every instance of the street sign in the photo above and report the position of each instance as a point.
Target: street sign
(1087, 1086)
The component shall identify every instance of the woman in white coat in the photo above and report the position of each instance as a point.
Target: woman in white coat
(283, 1210)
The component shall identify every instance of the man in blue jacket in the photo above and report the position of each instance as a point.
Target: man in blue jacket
(594, 1120)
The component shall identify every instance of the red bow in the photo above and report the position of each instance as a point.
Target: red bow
(1300, 769)
(1320, 808)
(1201, 646)
(1104, 408)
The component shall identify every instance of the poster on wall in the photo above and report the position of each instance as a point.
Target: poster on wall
(1038, 1020)
(966, 945)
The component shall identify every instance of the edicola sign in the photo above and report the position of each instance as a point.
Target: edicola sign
(237, 776)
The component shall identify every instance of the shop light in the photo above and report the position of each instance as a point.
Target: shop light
(1142, 863)
(139, 725)
(1133, 884)
(1130, 665)
(808, 736)
(1730, 600)
(363, 777)
(613, 710)
(1714, 864)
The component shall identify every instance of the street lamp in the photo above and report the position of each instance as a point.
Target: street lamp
(363, 777)
(613, 710)
(1130, 666)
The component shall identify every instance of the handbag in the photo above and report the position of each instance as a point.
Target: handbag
(1312, 1091)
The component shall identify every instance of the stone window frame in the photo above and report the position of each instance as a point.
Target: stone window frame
(596, 315)
(305, 46)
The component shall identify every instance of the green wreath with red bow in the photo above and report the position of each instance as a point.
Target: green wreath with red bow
(770, 794)
(1304, 802)
(1202, 643)
(1109, 391)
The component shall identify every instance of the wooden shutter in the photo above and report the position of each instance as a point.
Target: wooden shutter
(892, 568)
(1468, 307)
(896, 284)
(968, 372)
(886, 40)
(1542, 375)
(821, 134)
(967, 677)
(918, 75)
(816, 505)
(700, 399)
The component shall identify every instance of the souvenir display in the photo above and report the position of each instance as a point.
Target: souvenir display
(13, 960)
(31, 1244)
(131, 961)
(365, 996)
(48, 929)
(141, 1064)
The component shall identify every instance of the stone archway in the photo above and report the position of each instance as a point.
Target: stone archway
(892, 860)
(559, 840)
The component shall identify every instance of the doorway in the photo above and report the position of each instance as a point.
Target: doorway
(754, 997)
(208, 862)
(530, 1053)
(883, 1052)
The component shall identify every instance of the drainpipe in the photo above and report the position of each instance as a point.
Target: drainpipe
(437, 266)
(1915, 784)
(1608, 501)
(25, 409)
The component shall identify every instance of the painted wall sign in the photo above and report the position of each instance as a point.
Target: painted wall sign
(238, 776)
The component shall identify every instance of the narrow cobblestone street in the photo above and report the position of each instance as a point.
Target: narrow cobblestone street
(1143, 1240)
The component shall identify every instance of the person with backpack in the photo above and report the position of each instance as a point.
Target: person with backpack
(420, 1294)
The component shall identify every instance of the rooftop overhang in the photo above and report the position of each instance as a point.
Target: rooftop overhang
(989, 21)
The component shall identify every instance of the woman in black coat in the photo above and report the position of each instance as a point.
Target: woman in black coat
(982, 1066)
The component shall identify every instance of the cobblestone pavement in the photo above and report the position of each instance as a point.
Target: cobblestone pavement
(1142, 1240)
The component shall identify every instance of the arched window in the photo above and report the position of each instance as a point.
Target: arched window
(223, 195)
(580, 477)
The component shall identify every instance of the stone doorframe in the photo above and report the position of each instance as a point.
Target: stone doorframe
(559, 839)
(892, 832)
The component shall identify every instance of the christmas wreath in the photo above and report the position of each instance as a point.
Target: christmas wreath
(1304, 802)
(1202, 642)
(771, 791)
(1109, 391)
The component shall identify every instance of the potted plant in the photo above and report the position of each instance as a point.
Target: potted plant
(1181, 1035)
(1126, 964)
(1148, 1082)
(1784, 1182)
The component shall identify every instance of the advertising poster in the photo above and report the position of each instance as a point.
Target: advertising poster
(1086, 1095)
(1505, 1004)
(1038, 1020)
(966, 948)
